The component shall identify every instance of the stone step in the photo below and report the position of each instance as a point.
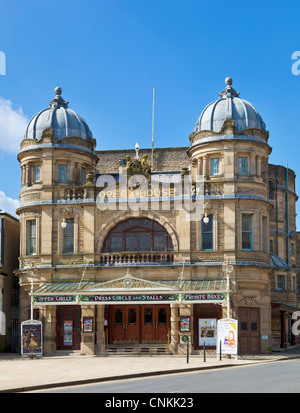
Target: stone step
(137, 349)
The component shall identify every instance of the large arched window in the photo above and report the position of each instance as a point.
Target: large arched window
(138, 234)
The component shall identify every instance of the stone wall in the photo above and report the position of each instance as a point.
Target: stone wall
(165, 159)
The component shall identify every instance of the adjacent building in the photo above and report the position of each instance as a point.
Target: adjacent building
(9, 285)
(129, 246)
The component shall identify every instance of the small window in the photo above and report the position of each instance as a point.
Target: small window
(68, 237)
(83, 176)
(207, 234)
(244, 326)
(264, 234)
(280, 283)
(36, 173)
(62, 173)
(32, 237)
(243, 166)
(215, 166)
(271, 246)
(292, 249)
(247, 232)
(271, 190)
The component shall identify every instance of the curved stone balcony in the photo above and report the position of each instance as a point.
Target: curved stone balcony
(115, 258)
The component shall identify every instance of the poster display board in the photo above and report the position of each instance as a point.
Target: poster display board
(227, 336)
(31, 338)
(87, 324)
(207, 331)
(68, 333)
(184, 324)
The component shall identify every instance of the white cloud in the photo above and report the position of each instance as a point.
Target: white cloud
(13, 125)
(8, 204)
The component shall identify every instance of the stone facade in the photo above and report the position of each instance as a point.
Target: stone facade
(241, 186)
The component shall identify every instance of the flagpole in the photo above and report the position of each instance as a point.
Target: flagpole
(153, 127)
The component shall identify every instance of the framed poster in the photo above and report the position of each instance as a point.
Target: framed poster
(207, 331)
(184, 323)
(227, 336)
(87, 324)
(68, 333)
(31, 338)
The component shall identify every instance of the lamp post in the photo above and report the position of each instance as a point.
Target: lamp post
(227, 269)
(32, 274)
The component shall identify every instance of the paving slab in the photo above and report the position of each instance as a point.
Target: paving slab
(18, 374)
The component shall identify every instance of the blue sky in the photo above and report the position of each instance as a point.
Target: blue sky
(108, 55)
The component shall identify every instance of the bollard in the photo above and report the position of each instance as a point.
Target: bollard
(220, 350)
(187, 353)
(204, 355)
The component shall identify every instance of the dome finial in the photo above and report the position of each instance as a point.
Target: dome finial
(229, 92)
(58, 90)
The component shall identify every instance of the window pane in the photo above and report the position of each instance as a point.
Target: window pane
(145, 242)
(131, 242)
(215, 164)
(148, 316)
(62, 172)
(162, 316)
(247, 232)
(132, 316)
(207, 234)
(31, 237)
(83, 176)
(159, 242)
(36, 173)
(118, 316)
(68, 237)
(116, 242)
(243, 166)
(138, 234)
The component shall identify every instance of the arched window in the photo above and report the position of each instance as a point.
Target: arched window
(138, 234)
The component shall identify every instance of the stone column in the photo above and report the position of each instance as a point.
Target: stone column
(87, 338)
(48, 317)
(174, 328)
(186, 310)
(204, 167)
(100, 333)
(199, 167)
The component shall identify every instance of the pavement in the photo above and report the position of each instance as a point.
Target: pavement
(19, 374)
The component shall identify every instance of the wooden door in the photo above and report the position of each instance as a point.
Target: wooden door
(155, 323)
(68, 328)
(132, 323)
(124, 323)
(249, 330)
(162, 314)
(148, 324)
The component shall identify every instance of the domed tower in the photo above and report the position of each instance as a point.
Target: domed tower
(57, 159)
(229, 148)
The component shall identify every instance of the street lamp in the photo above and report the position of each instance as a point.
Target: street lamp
(63, 224)
(32, 274)
(206, 219)
(227, 269)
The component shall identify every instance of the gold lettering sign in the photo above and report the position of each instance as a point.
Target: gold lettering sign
(143, 193)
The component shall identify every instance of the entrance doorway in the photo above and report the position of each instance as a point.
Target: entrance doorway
(139, 323)
(68, 331)
(249, 330)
